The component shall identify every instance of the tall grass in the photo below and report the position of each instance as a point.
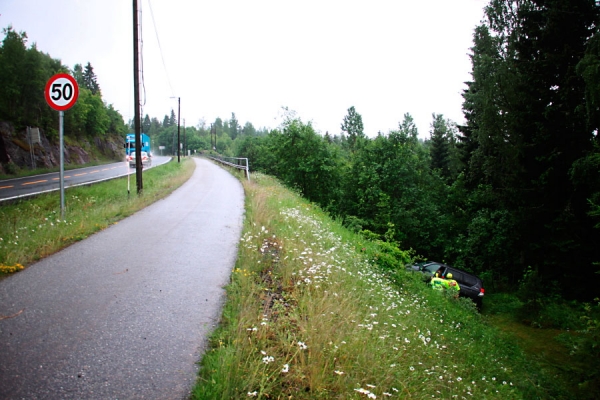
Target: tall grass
(310, 316)
(32, 228)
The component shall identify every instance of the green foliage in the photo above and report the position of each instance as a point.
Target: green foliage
(502, 303)
(353, 223)
(23, 76)
(389, 180)
(353, 126)
(11, 168)
(305, 161)
(520, 143)
(589, 69)
(561, 315)
(90, 81)
(440, 145)
(388, 256)
(234, 127)
(490, 243)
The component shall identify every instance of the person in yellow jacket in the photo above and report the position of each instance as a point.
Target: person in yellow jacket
(437, 283)
(450, 284)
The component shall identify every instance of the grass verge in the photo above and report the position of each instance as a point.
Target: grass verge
(32, 228)
(309, 315)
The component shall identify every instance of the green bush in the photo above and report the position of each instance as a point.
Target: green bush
(502, 303)
(560, 315)
(11, 168)
(388, 256)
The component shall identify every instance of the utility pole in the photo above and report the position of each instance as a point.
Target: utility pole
(178, 137)
(213, 133)
(136, 99)
(184, 142)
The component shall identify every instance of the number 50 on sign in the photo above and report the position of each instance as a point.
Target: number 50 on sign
(61, 92)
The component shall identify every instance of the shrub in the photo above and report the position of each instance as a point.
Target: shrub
(11, 168)
(559, 315)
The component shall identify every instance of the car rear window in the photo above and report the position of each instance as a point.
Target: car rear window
(463, 278)
(457, 276)
(470, 280)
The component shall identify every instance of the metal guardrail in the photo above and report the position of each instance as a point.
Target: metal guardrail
(235, 162)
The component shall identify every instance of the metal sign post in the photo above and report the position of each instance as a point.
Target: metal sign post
(61, 94)
(61, 124)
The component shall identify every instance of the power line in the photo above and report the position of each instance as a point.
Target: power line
(141, 41)
(160, 48)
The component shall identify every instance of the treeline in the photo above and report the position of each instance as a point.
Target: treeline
(196, 138)
(514, 194)
(24, 72)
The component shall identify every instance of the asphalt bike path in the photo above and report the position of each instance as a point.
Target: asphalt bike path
(125, 314)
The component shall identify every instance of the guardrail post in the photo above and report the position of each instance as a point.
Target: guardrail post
(236, 163)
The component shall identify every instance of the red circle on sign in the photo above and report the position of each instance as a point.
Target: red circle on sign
(61, 92)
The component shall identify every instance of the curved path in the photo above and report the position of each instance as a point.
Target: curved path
(125, 314)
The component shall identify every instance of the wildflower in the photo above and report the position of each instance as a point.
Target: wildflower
(412, 368)
(268, 359)
(253, 394)
(286, 368)
(339, 372)
(459, 379)
(371, 396)
(302, 345)
(371, 386)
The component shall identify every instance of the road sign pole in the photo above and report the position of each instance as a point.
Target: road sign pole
(61, 118)
(61, 94)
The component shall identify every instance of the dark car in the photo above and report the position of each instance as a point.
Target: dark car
(471, 286)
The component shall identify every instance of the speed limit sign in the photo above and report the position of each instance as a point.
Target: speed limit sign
(61, 92)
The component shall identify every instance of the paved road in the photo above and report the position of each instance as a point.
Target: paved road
(28, 186)
(125, 313)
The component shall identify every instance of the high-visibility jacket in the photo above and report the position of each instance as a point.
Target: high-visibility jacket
(451, 284)
(437, 283)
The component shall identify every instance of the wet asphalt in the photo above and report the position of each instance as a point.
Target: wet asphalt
(125, 314)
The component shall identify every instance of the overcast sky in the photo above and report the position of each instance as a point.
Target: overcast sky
(318, 58)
